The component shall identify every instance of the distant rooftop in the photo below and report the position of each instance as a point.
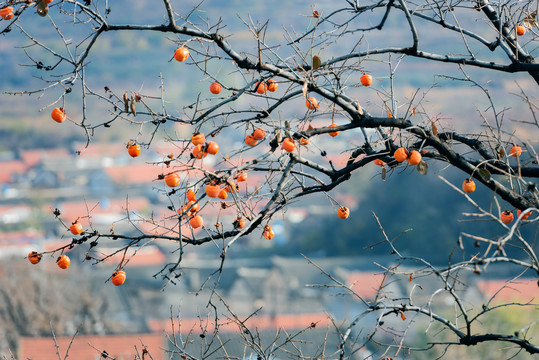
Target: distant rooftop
(120, 347)
(286, 322)
(504, 290)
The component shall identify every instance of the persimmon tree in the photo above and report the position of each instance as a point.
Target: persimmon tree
(282, 99)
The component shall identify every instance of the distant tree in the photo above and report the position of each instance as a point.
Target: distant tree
(46, 301)
(326, 71)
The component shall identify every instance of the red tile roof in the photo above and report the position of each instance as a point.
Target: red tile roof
(9, 168)
(140, 173)
(71, 210)
(117, 346)
(260, 323)
(365, 284)
(26, 236)
(33, 157)
(518, 290)
(101, 150)
(146, 256)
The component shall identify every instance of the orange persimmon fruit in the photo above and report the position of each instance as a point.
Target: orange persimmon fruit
(414, 157)
(525, 216)
(118, 277)
(516, 151)
(239, 223)
(215, 88)
(134, 150)
(468, 185)
(76, 228)
(268, 233)
(63, 262)
(261, 88)
(241, 176)
(401, 154)
(172, 180)
(190, 195)
(288, 145)
(58, 115)
(181, 54)
(271, 85)
(212, 148)
(6, 13)
(343, 212)
(34, 257)
(196, 221)
(213, 190)
(506, 216)
(223, 194)
(333, 133)
(311, 103)
(198, 138)
(259, 133)
(198, 152)
(250, 140)
(366, 80)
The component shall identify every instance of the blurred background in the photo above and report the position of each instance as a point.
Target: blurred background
(46, 166)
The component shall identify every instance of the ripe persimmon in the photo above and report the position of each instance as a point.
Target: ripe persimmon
(198, 152)
(525, 216)
(118, 277)
(366, 80)
(190, 195)
(333, 133)
(212, 148)
(172, 180)
(401, 154)
(506, 216)
(261, 88)
(468, 185)
(198, 138)
(181, 54)
(239, 223)
(223, 194)
(76, 228)
(34, 257)
(63, 262)
(241, 176)
(516, 151)
(196, 221)
(414, 157)
(520, 30)
(288, 145)
(379, 162)
(6, 13)
(250, 140)
(268, 233)
(311, 103)
(213, 190)
(343, 212)
(215, 88)
(231, 186)
(271, 85)
(304, 141)
(259, 133)
(134, 150)
(191, 207)
(58, 115)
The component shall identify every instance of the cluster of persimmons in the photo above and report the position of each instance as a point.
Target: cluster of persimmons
(214, 189)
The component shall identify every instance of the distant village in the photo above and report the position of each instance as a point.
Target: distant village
(104, 188)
